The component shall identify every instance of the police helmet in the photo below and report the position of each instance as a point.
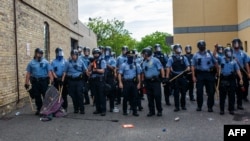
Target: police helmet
(228, 52)
(188, 47)
(38, 50)
(101, 48)
(107, 50)
(147, 51)
(237, 40)
(220, 48)
(201, 45)
(131, 52)
(74, 52)
(86, 49)
(177, 48)
(57, 50)
(124, 48)
(96, 51)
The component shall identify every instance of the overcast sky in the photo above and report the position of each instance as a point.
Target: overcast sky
(142, 17)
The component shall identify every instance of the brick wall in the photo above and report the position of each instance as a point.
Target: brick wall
(30, 35)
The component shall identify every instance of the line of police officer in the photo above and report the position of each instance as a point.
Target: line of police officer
(102, 74)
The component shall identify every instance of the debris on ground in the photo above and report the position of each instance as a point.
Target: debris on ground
(128, 126)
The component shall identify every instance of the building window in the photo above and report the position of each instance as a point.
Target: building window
(46, 41)
(74, 44)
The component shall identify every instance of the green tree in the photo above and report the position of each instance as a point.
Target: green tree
(111, 33)
(154, 38)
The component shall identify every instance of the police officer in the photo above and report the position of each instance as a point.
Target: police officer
(151, 70)
(110, 76)
(228, 69)
(96, 72)
(79, 49)
(242, 60)
(204, 66)
(102, 51)
(218, 51)
(74, 73)
(40, 76)
(86, 60)
(120, 59)
(163, 59)
(58, 66)
(138, 60)
(129, 81)
(189, 55)
(178, 64)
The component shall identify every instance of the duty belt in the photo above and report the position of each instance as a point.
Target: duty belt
(74, 78)
(129, 80)
(153, 79)
(39, 79)
(98, 78)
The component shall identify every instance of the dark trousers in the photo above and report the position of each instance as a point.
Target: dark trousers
(39, 89)
(97, 89)
(64, 93)
(206, 79)
(76, 92)
(242, 94)
(129, 94)
(153, 89)
(167, 92)
(190, 87)
(180, 87)
(111, 93)
(139, 98)
(227, 88)
(86, 93)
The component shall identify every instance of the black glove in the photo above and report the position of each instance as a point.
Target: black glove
(26, 86)
(60, 82)
(164, 80)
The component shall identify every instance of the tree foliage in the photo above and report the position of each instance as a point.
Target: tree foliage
(155, 38)
(111, 33)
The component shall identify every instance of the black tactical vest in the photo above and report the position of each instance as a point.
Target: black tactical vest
(161, 57)
(178, 64)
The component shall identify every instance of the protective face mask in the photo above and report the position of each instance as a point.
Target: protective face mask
(39, 59)
(202, 48)
(130, 60)
(96, 57)
(59, 58)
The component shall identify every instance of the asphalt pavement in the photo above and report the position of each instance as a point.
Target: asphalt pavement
(189, 125)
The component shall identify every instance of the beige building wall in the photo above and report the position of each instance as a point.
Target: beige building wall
(244, 23)
(215, 21)
(31, 16)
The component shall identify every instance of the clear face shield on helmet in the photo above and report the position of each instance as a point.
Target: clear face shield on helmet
(178, 51)
(236, 45)
(220, 50)
(60, 53)
(158, 49)
(188, 50)
(107, 53)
